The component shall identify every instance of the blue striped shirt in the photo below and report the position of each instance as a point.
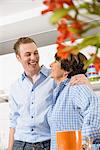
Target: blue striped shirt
(75, 108)
(29, 104)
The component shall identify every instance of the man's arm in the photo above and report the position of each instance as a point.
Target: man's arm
(11, 138)
(80, 79)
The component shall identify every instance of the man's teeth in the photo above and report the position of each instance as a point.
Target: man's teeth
(33, 63)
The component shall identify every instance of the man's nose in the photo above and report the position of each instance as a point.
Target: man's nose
(51, 64)
(33, 56)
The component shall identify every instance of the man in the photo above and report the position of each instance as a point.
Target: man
(30, 98)
(75, 107)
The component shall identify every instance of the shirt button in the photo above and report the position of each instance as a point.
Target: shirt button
(32, 102)
(32, 129)
(88, 122)
(31, 116)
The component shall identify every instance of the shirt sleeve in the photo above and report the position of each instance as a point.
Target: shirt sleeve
(89, 104)
(13, 114)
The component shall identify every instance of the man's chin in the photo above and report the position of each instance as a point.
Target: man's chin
(51, 76)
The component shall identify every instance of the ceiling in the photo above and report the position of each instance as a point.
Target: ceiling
(23, 18)
(15, 6)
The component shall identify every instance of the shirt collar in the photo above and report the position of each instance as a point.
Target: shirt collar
(23, 76)
(43, 70)
(66, 81)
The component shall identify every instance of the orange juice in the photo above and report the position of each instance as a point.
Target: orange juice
(69, 140)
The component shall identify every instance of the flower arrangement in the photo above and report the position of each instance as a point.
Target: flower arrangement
(67, 14)
(72, 22)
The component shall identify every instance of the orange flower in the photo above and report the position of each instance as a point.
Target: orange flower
(63, 51)
(61, 46)
(52, 5)
(55, 4)
(97, 63)
(63, 55)
(65, 32)
(77, 25)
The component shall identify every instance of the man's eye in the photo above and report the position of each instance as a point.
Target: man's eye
(36, 53)
(28, 54)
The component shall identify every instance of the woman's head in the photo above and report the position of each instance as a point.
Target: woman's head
(70, 66)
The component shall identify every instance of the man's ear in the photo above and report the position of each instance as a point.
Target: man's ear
(18, 57)
(66, 73)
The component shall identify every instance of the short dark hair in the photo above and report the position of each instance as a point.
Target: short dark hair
(74, 64)
(22, 40)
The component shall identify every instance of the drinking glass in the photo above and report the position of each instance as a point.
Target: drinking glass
(69, 140)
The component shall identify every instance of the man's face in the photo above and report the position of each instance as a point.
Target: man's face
(56, 72)
(29, 58)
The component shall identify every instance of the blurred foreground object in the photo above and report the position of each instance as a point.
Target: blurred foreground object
(73, 20)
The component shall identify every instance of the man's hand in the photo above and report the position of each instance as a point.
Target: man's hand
(80, 79)
(84, 147)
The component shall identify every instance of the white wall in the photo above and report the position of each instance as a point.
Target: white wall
(4, 125)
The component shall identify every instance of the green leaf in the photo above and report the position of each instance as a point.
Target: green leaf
(88, 41)
(58, 14)
(84, 6)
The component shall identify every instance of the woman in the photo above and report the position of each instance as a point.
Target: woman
(74, 107)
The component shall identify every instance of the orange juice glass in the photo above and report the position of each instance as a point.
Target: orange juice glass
(69, 140)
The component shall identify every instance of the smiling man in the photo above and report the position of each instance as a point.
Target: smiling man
(29, 100)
